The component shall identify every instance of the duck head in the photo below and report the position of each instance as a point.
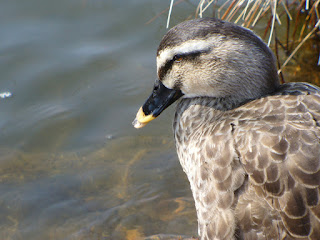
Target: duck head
(208, 57)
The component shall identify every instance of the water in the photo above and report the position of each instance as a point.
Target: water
(71, 164)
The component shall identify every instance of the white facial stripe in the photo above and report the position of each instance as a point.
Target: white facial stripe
(185, 48)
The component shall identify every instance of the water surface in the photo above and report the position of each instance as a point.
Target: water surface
(71, 165)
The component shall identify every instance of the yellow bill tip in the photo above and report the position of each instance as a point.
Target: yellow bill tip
(141, 119)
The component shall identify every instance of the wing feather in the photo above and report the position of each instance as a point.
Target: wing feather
(279, 148)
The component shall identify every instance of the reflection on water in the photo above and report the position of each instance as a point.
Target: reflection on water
(71, 164)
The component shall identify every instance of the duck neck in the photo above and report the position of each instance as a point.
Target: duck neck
(213, 192)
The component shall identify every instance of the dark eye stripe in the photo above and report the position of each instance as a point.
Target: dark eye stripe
(182, 57)
(164, 69)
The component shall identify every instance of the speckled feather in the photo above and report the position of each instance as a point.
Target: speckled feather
(254, 170)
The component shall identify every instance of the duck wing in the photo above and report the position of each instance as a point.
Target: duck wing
(277, 139)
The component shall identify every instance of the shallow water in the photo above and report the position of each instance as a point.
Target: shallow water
(71, 164)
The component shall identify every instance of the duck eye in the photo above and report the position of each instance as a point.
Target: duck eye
(177, 58)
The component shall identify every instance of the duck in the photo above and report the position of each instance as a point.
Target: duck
(250, 146)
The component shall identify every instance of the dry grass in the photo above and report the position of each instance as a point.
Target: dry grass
(249, 12)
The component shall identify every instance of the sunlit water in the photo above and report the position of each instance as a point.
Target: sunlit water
(71, 164)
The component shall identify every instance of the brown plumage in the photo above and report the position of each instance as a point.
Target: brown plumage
(249, 146)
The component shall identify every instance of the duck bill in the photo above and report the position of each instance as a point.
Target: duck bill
(159, 100)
